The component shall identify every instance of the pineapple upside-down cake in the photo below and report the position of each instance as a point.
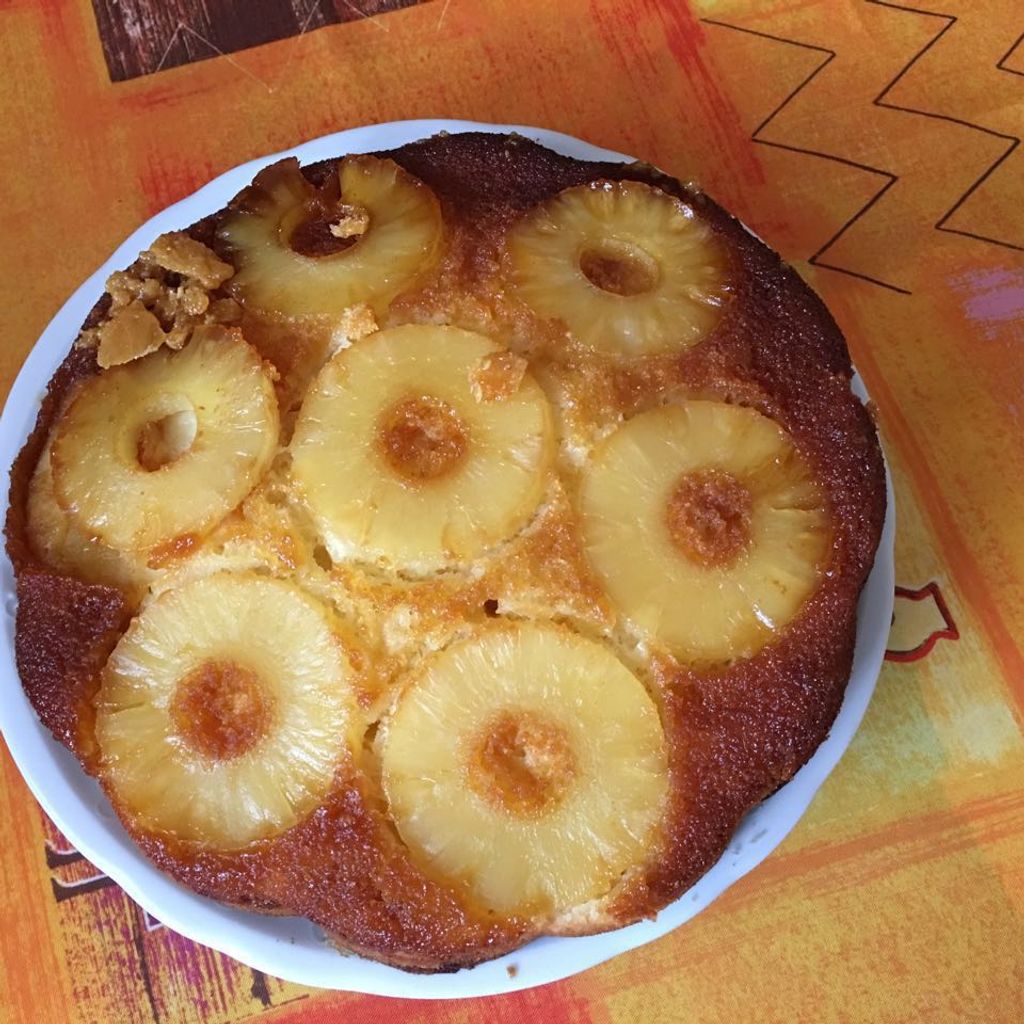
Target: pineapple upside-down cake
(448, 545)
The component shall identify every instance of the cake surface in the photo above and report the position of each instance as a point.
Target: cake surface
(448, 545)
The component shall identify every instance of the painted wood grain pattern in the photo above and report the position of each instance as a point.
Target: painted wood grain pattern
(164, 976)
(142, 37)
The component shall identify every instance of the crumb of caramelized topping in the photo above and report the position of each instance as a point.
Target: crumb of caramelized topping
(225, 311)
(132, 332)
(124, 287)
(180, 254)
(357, 322)
(497, 376)
(351, 223)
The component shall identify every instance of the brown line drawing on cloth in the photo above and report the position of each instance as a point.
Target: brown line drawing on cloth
(70, 873)
(920, 619)
(59, 858)
(891, 179)
(68, 890)
(259, 988)
(1014, 141)
(144, 971)
(142, 37)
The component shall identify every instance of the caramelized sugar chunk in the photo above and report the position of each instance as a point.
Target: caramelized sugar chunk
(161, 300)
(180, 254)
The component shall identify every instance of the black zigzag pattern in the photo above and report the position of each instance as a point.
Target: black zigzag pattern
(1001, 63)
(757, 136)
(1013, 140)
(882, 100)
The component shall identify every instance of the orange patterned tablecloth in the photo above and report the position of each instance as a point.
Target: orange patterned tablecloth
(877, 147)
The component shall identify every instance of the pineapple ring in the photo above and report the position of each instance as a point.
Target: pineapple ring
(629, 269)
(165, 446)
(402, 238)
(726, 530)
(528, 764)
(402, 459)
(59, 541)
(273, 742)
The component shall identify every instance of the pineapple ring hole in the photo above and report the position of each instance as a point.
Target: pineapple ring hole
(708, 517)
(522, 762)
(422, 438)
(322, 228)
(620, 268)
(221, 709)
(166, 439)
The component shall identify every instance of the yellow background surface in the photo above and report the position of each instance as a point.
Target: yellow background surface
(876, 148)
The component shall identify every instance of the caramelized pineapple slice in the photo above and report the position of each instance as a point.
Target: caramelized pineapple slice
(707, 527)
(225, 711)
(528, 765)
(407, 452)
(166, 445)
(58, 541)
(369, 234)
(629, 269)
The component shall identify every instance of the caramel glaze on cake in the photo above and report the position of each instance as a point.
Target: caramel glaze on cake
(734, 733)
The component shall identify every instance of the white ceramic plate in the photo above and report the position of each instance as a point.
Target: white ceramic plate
(292, 948)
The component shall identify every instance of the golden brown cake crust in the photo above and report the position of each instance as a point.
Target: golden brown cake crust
(734, 734)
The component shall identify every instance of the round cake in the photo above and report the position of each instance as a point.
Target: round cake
(447, 545)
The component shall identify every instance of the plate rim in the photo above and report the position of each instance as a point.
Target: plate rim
(58, 783)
